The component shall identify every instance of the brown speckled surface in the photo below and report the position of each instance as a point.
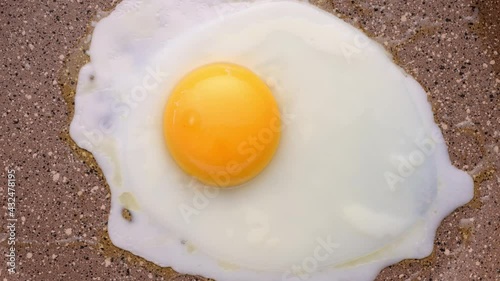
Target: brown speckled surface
(451, 47)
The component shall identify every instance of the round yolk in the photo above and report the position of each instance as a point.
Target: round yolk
(222, 124)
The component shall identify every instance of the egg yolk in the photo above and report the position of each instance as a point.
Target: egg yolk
(222, 124)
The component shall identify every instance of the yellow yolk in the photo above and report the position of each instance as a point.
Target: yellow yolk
(222, 124)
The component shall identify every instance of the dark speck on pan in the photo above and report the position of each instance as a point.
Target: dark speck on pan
(451, 47)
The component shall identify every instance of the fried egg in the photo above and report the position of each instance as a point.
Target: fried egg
(261, 140)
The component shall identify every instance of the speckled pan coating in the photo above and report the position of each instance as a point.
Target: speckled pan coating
(451, 47)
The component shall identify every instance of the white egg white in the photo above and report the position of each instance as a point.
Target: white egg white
(361, 179)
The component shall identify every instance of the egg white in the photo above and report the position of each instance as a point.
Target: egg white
(361, 171)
